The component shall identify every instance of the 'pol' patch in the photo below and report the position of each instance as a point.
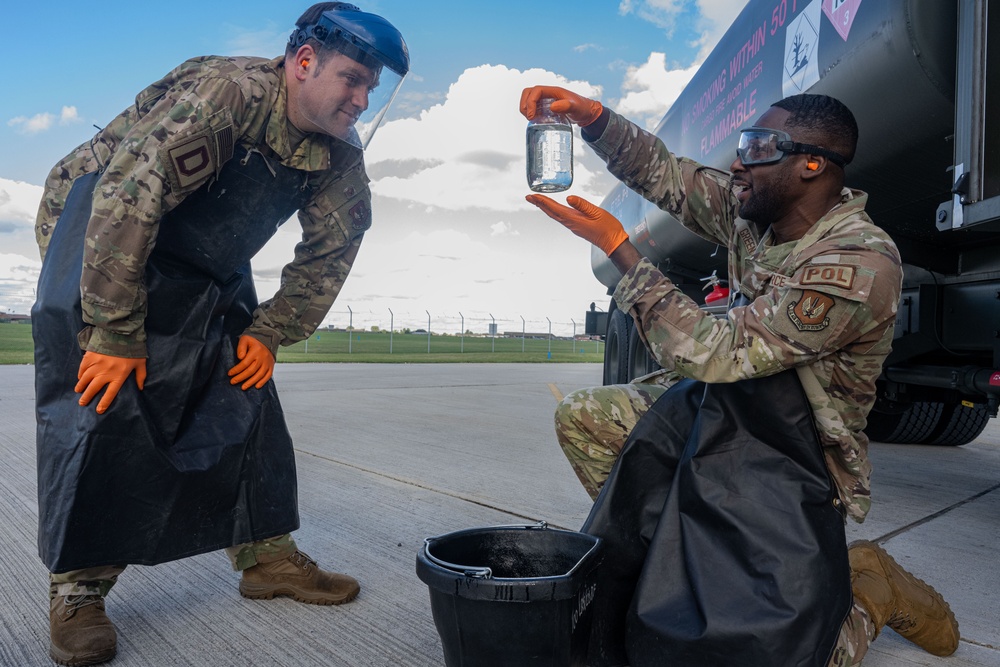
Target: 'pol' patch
(831, 275)
(192, 160)
(810, 313)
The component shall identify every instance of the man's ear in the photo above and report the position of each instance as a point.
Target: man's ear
(304, 62)
(815, 165)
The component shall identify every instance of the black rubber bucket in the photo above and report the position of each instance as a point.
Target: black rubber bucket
(511, 596)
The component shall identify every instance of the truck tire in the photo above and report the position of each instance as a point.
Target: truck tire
(913, 425)
(959, 425)
(616, 348)
(640, 361)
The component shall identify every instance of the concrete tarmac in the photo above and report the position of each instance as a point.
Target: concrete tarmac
(391, 454)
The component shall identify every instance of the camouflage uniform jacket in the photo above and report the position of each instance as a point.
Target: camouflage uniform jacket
(174, 140)
(824, 305)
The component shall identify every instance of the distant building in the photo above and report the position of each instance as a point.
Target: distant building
(527, 334)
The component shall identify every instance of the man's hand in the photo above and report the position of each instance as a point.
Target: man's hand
(256, 363)
(99, 370)
(585, 220)
(577, 108)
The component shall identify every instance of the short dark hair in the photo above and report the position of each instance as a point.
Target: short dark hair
(828, 120)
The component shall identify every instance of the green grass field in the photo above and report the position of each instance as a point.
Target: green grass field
(16, 346)
(367, 347)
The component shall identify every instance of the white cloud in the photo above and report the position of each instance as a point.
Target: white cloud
(19, 202)
(68, 115)
(468, 151)
(649, 90)
(19, 263)
(44, 121)
(37, 123)
(544, 273)
(19, 270)
(18, 277)
(501, 228)
(661, 13)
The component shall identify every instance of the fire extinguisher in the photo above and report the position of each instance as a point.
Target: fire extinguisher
(718, 292)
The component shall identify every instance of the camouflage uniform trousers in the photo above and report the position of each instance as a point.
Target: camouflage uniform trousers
(592, 426)
(99, 580)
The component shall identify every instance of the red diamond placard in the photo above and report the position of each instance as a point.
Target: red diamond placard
(841, 14)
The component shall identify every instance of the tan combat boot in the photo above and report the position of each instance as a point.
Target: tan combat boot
(299, 577)
(896, 598)
(80, 633)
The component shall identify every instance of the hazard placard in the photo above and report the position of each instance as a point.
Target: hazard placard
(801, 67)
(841, 14)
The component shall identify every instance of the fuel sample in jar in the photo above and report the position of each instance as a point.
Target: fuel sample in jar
(549, 150)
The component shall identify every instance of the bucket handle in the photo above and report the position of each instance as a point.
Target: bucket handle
(475, 572)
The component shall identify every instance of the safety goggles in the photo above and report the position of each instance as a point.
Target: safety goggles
(763, 145)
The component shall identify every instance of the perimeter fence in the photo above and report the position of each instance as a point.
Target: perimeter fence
(365, 338)
(415, 343)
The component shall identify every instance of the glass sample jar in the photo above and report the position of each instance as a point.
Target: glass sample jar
(549, 150)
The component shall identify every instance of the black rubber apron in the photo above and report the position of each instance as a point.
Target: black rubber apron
(191, 463)
(724, 546)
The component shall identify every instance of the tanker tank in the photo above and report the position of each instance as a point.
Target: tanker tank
(892, 63)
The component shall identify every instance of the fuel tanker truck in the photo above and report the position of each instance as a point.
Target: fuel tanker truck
(925, 88)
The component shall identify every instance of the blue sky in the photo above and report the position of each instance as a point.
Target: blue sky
(451, 231)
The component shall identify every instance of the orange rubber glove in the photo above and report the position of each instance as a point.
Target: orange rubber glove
(577, 108)
(99, 370)
(585, 220)
(256, 365)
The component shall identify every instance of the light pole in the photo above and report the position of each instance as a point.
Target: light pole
(462, 349)
(522, 334)
(391, 327)
(350, 330)
(550, 337)
(428, 331)
(493, 332)
(574, 335)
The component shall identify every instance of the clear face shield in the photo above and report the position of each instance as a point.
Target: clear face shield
(361, 64)
(764, 145)
(379, 100)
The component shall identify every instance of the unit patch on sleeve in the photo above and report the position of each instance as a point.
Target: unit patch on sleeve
(192, 160)
(811, 312)
(361, 217)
